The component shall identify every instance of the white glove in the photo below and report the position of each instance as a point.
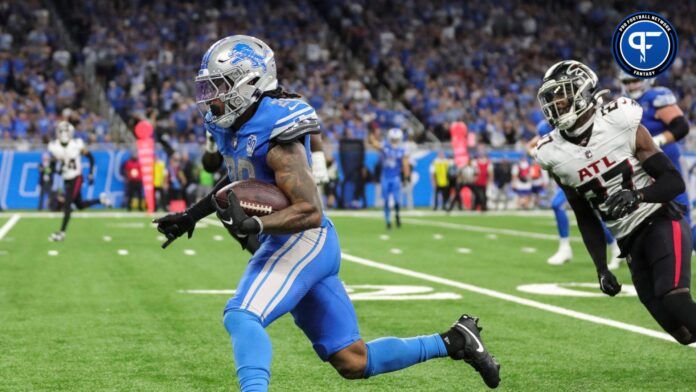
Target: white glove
(321, 175)
(660, 140)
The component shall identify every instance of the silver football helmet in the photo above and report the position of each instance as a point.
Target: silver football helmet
(235, 70)
(395, 136)
(567, 92)
(65, 132)
(634, 87)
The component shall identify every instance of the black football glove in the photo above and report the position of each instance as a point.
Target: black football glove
(623, 202)
(235, 220)
(249, 242)
(174, 226)
(608, 283)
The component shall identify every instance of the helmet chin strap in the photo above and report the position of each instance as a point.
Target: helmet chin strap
(581, 129)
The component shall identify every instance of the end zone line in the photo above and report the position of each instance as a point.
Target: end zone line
(8, 225)
(512, 298)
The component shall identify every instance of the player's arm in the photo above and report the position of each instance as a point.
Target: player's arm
(531, 145)
(319, 170)
(593, 237)
(677, 125)
(590, 226)
(175, 225)
(90, 158)
(294, 177)
(374, 142)
(668, 182)
(406, 167)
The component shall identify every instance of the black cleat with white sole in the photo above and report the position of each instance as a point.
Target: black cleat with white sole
(463, 342)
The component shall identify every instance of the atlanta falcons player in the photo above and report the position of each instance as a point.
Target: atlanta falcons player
(67, 151)
(610, 169)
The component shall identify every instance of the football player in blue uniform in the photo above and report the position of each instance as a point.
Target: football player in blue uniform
(565, 253)
(665, 121)
(263, 133)
(394, 164)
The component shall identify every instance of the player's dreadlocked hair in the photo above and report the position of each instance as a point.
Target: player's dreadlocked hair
(280, 92)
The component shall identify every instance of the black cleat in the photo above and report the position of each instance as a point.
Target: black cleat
(398, 222)
(463, 342)
(388, 225)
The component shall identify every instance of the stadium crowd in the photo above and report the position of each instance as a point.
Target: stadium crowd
(39, 81)
(445, 61)
(146, 65)
(482, 62)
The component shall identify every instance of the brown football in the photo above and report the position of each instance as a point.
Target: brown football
(257, 198)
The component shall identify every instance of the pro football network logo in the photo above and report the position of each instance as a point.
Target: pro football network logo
(645, 44)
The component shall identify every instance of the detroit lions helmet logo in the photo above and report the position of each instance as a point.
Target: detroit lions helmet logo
(242, 51)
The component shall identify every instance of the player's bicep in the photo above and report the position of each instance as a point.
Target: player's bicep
(645, 146)
(292, 173)
(668, 113)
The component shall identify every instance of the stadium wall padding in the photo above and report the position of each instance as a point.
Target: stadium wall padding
(19, 176)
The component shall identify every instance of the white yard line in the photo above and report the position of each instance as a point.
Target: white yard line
(483, 229)
(9, 225)
(511, 298)
(337, 213)
(85, 214)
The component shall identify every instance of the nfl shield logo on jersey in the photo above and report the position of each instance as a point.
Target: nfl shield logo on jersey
(251, 144)
(588, 154)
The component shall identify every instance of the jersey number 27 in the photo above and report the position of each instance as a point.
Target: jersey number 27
(625, 169)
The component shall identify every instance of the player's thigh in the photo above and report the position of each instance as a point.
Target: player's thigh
(668, 248)
(70, 187)
(327, 317)
(279, 275)
(641, 274)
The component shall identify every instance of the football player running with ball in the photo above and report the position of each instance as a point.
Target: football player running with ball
(610, 169)
(263, 133)
(67, 151)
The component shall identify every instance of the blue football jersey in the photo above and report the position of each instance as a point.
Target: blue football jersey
(280, 120)
(652, 101)
(392, 158)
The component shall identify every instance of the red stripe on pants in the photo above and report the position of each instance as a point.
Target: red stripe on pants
(676, 237)
(78, 185)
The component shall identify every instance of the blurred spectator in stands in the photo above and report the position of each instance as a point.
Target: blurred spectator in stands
(134, 182)
(539, 179)
(439, 172)
(522, 183)
(45, 179)
(483, 179)
(159, 182)
(465, 178)
(177, 178)
(502, 178)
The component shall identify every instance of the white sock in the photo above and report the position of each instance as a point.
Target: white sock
(564, 243)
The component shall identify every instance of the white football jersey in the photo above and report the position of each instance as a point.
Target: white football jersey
(70, 157)
(606, 165)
